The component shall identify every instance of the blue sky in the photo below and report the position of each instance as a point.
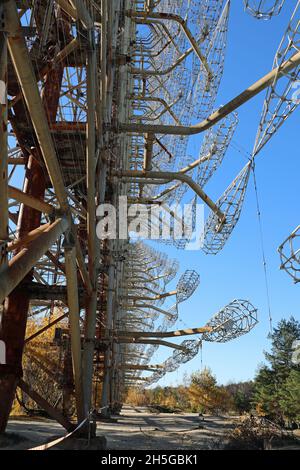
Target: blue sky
(237, 272)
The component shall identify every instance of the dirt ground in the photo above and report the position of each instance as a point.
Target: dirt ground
(134, 429)
(138, 428)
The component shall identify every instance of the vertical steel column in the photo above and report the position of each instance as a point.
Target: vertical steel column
(3, 144)
(4, 406)
(90, 326)
(103, 117)
(106, 395)
(104, 59)
(74, 321)
(14, 316)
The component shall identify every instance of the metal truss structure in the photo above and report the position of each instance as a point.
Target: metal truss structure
(264, 9)
(289, 252)
(98, 101)
(234, 320)
(282, 97)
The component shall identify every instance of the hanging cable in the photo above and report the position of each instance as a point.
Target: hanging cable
(265, 266)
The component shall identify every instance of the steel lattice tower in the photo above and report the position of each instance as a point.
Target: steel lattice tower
(98, 101)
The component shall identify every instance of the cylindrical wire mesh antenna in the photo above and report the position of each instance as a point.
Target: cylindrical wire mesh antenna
(289, 253)
(264, 9)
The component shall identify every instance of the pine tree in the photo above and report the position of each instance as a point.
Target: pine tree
(290, 397)
(275, 383)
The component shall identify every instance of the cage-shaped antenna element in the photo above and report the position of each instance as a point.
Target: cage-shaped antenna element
(214, 147)
(234, 320)
(191, 349)
(282, 96)
(289, 253)
(187, 284)
(263, 9)
(230, 203)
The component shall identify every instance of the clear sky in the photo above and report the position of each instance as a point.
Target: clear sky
(237, 272)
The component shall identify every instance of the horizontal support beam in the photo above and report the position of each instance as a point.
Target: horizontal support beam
(52, 292)
(30, 201)
(45, 328)
(155, 297)
(27, 239)
(16, 161)
(165, 334)
(222, 112)
(157, 309)
(165, 175)
(153, 73)
(150, 368)
(151, 341)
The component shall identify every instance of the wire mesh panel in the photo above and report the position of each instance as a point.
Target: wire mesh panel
(214, 146)
(289, 253)
(187, 284)
(231, 203)
(234, 320)
(264, 9)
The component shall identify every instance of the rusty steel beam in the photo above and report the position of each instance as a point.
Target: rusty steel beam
(14, 316)
(46, 328)
(30, 201)
(23, 262)
(53, 412)
(26, 239)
